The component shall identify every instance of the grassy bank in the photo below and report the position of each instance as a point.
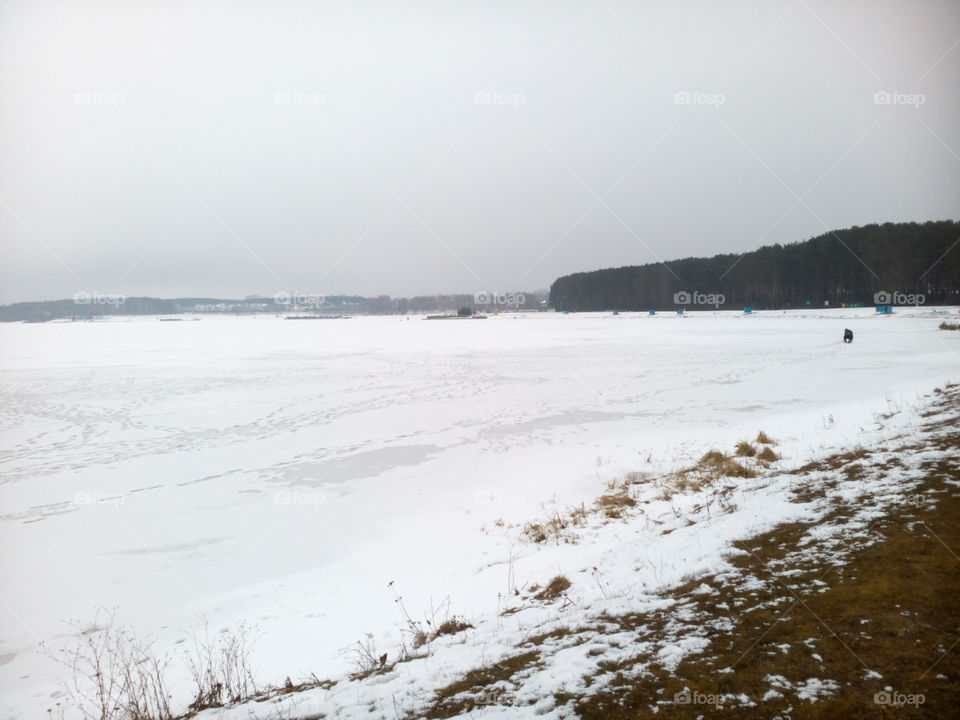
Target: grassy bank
(863, 622)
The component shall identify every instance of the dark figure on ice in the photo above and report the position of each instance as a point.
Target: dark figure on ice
(848, 335)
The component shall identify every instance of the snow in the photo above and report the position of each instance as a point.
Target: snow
(247, 468)
(810, 689)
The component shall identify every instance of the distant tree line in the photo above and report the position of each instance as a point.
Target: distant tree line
(86, 305)
(853, 266)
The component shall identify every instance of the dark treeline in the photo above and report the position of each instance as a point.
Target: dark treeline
(841, 267)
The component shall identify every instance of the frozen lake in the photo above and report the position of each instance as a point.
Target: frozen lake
(285, 472)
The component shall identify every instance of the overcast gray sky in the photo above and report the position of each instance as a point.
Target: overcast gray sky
(409, 146)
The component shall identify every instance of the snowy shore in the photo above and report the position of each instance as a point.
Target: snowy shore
(282, 474)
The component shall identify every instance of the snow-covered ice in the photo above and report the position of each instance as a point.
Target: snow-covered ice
(281, 473)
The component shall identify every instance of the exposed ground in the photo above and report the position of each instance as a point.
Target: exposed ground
(853, 616)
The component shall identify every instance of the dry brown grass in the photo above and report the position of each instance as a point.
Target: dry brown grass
(554, 589)
(451, 626)
(949, 326)
(883, 610)
(556, 526)
(578, 515)
(620, 499)
(479, 687)
(745, 449)
(535, 532)
(716, 464)
(713, 466)
(560, 525)
(614, 504)
(767, 455)
(886, 608)
(682, 481)
(764, 439)
(834, 462)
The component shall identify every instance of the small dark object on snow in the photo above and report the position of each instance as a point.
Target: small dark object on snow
(848, 335)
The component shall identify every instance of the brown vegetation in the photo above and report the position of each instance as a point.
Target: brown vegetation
(554, 589)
